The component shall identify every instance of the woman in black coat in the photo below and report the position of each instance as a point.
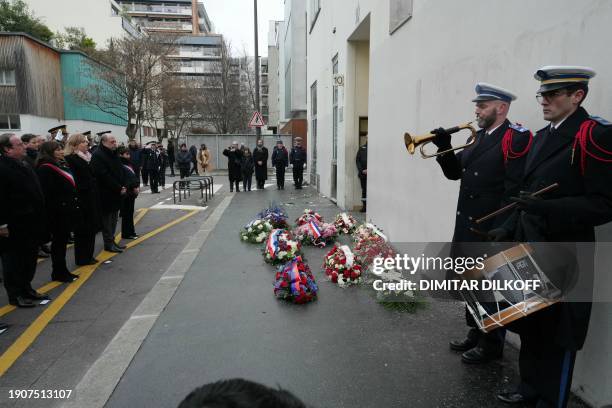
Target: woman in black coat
(280, 160)
(78, 157)
(129, 199)
(234, 165)
(248, 167)
(61, 204)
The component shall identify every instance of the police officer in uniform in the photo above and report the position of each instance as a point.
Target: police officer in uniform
(362, 172)
(574, 150)
(297, 158)
(489, 171)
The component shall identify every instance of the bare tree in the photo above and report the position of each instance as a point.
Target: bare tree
(224, 103)
(129, 72)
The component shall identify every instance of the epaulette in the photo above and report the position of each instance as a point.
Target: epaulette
(601, 121)
(518, 128)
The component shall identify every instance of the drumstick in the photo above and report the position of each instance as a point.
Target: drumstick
(512, 205)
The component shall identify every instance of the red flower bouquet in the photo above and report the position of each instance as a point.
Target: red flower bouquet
(294, 282)
(368, 230)
(281, 247)
(345, 223)
(309, 215)
(317, 234)
(340, 266)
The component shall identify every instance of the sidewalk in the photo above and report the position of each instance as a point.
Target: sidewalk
(341, 351)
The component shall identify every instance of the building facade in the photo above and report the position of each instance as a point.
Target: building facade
(382, 68)
(39, 87)
(273, 76)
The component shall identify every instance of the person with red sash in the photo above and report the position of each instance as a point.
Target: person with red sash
(61, 204)
(129, 199)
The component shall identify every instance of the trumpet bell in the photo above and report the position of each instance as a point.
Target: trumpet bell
(412, 142)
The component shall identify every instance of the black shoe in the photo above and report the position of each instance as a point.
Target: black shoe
(21, 301)
(479, 355)
(66, 277)
(114, 250)
(120, 246)
(34, 295)
(135, 236)
(514, 398)
(92, 261)
(470, 341)
(4, 326)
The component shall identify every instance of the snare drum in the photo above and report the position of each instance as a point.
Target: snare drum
(500, 305)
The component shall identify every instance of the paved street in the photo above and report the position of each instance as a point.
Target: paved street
(223, 321)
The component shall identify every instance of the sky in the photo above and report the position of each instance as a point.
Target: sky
(234, 19)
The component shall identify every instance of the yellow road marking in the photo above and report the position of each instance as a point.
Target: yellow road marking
(54, 284)
(33, 331)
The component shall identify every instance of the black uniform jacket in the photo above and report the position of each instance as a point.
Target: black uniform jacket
(61, 200)
(582, 201)
(489, 174)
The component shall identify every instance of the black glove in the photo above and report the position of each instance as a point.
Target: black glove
(442, 139)
(499, 235)
(532, 205)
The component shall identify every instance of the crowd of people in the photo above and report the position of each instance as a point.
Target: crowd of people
(64, 188)
(242, 164)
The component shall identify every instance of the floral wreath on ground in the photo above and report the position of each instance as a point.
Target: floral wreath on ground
(317, 234)
(294, 282)
(370, 247)
(340, 266)
(307, 216)
(281, 247)
(276, 216)
(345, 223)
(368, 230)
(256, 231)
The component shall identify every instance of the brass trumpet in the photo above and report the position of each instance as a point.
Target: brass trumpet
(412, 142)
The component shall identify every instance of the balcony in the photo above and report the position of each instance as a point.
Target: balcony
(168, 26)
(155, 10)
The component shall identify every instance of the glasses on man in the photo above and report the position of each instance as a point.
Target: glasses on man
(550, 95)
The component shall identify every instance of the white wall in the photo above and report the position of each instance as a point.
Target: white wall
(273, 79)
(422, 77)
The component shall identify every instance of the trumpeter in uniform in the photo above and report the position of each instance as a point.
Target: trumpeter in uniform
(489, 171)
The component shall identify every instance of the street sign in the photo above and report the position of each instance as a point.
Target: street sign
(256, 120)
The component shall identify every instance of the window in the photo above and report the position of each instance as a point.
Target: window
(315, 9)
(400, 11)
(9, 122)
(7, 77)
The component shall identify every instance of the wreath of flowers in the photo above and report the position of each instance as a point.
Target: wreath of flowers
(307, 216)
(256, 231)
(370, 247)
(276, 216)
(345, 223)
(340, 266)
(281, 247)
(294, 282)
(368, 230)
(317, 234)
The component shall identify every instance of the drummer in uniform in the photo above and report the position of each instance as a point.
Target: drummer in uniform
(575, 151)
(489, 171)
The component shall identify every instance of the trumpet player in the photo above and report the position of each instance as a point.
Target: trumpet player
(489, 171)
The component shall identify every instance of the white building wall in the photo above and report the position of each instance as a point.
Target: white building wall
(423, 76)
(93, 15)
(273, 79)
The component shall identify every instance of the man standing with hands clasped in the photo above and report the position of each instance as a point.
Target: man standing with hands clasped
(298, 159)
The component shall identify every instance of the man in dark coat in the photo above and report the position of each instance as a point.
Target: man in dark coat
(575, 152)
(108, 171)
(297, 158)
(150, 163)
(22, 222)
(194, 160)
(171, 157)
(234, 165)
(31, 143)
(135, 157)
(489, 171)
(362, 172)
(260, 157)
(280, 160)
